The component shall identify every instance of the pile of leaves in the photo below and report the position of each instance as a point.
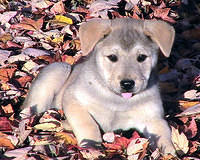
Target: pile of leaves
(36, 33)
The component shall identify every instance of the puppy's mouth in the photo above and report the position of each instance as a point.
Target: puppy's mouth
(127, 95)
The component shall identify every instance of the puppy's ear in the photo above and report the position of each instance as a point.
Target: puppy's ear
(91, 32)
(161, 33)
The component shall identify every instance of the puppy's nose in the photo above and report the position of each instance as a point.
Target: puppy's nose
(127, 84)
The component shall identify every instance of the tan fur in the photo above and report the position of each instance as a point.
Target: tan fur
(91, 93)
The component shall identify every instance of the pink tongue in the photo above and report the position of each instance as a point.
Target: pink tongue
(127, 95)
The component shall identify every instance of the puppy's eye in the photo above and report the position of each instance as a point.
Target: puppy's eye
(141, 58)
(113, 58)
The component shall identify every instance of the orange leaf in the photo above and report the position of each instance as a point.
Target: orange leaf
(187, 104)
(8, 108)
(4, 142)
(6, 73)
(23, 80)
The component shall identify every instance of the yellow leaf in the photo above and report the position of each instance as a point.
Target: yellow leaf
(5, 37)
(187, 104)
(68, 139)
(180, 141)
(63, 19)
(58, 40)
(49, 126)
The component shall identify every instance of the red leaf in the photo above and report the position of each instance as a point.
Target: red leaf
(5, 124)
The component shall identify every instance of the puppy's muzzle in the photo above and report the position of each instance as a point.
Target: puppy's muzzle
(127, 85)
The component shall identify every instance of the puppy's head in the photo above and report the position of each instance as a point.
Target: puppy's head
(126, 51)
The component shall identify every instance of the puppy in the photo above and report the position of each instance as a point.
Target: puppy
(115, 87)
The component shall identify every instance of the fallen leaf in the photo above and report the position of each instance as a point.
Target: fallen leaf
(5, 142)
(7, 109)
(35, 52)
(162, 13)
(29, 24)
(180, 141)
(62, 20)
(6, 16)
(109, 137)
(48, 126)
(19, 57)
(6, 73)
(58, 8)
(91, 154)
(4, 54)
(187, 104)
(66, 137)
(29, 65)
(6, 37)
(21, 152)
(194, 110)
(190, 129)
(41, 4)
(137, 146)
(24, 80)
(192, 94)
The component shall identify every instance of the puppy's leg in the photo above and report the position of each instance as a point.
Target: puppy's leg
(158, 131)
(46, 86)
(83, 125)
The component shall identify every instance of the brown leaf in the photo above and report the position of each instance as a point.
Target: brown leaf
(58, 8)
(29, 24)
(162, 13)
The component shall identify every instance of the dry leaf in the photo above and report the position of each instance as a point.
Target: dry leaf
(137, 146)
(66, 137)
(6, 37)
(58, 8)
(109, 137)
(187, 104)
(7, 109)
(48, 126)
(5, 142)
(180, 141)
(21, 152)
(62, 20)
(91, 154)
(29, 65)
(6, 73)
(29, 24)
(194, 110)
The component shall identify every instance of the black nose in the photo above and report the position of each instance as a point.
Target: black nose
(127, 84)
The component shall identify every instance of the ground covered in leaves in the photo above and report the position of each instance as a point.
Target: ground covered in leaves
(38, 32)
